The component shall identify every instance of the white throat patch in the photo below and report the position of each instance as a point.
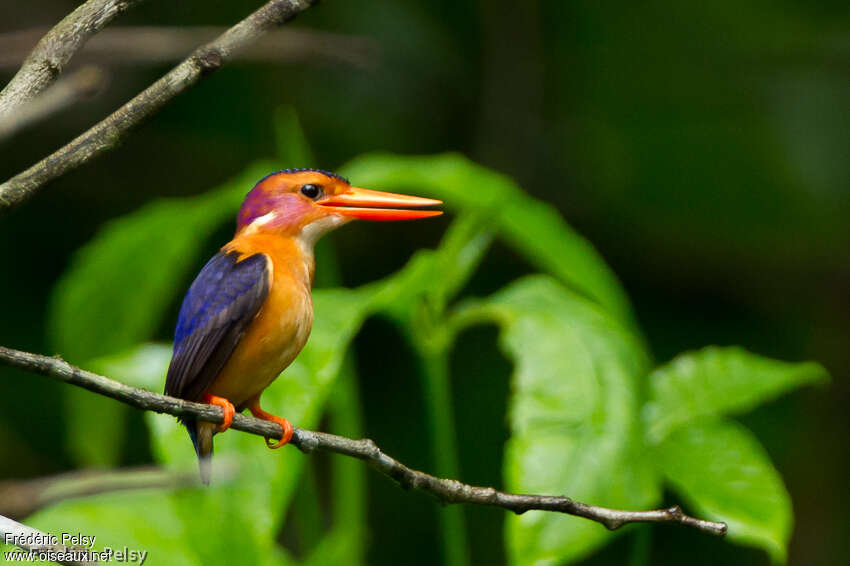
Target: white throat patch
(311, 233)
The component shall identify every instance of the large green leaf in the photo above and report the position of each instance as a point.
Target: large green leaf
(573, 416)
(714, 381)
(722, 470)
(532, 227)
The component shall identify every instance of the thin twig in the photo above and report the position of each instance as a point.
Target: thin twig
(446, 490)
(42, 545)
(145, 45)
(56, 48)
(65, 93)
(108, 133)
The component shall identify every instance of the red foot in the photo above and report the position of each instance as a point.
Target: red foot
(226, 406)
(284, 424)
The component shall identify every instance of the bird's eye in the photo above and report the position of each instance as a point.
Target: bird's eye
(311, 191)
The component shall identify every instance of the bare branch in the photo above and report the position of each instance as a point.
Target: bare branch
(108, 133)
(68, 90)
(55, 49)
(27, 538)
(446, 490)
(127, 45)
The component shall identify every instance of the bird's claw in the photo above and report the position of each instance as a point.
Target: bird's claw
(284, 424)
(287, 434)
(226, 406)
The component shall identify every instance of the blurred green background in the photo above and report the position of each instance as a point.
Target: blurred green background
(703, 149)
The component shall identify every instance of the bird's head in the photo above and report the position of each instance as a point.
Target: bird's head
(307, 203)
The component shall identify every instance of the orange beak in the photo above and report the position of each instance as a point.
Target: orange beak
(377, 205)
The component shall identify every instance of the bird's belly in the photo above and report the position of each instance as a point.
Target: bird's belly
(270, 344)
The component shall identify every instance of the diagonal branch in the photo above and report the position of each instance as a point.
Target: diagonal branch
(109, 132)
(56, 48)
(446, 490)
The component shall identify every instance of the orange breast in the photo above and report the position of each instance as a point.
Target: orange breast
(282, 326)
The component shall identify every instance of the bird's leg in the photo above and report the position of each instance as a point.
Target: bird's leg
(255, 409)
(226, 406)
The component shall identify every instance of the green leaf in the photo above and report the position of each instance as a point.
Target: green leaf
(715, 381)
(532, 227)
(573, 416)
(460, 252)
(722, 470)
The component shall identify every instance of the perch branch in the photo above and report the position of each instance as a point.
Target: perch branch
(56, 48)
(446, 490)
(109, 132)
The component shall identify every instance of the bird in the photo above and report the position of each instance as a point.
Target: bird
(249, 311)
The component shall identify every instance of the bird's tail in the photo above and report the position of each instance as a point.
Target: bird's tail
(202, 437)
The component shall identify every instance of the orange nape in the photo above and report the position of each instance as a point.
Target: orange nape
(367, 204)
(255, 409)
(226, 406)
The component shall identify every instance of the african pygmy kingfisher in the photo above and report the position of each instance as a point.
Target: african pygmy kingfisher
(249, 311)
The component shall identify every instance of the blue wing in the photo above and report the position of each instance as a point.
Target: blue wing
(221, 303)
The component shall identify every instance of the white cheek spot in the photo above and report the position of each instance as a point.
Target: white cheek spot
(260, 221)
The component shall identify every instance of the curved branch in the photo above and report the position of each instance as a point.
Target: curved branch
(56, 48)
(446, 490)
(109, 132)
